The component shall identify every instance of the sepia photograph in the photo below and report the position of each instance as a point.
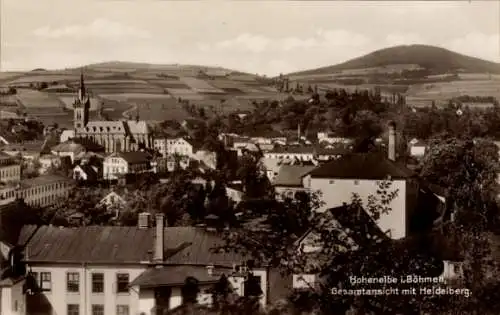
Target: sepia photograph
(249, 157)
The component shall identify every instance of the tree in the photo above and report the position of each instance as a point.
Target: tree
(469, 170)
(270, 233)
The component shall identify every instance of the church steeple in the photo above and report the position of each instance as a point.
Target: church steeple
(81, 91)
(81, 105)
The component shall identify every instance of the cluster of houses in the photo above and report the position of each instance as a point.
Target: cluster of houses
(141, 269)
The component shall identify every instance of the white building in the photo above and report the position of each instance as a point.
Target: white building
(362, 174)
(113, 270)
(418, 148)
(69, 148)
(122, 163)
(180, 146)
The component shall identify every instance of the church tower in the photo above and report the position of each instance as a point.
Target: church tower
(81, 106)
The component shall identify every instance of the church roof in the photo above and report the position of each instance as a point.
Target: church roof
(128, 127)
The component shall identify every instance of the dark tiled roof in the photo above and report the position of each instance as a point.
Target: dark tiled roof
(291, 175)
(89, 170)
(173, 275)
(135, 157)
(308, 149)
(43, 180)
(91, 244)
(112, 244)
(30, 147)
(358, 224)
(265, 134)
(362, 166)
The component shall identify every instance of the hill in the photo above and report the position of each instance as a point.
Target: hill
(434, 59)
(156, 92)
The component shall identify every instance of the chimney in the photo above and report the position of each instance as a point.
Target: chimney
(159, 246)
(391, 150)
(144, 220)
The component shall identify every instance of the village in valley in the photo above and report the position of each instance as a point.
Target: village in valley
(368, 187)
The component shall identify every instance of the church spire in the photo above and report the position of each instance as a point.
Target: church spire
(81, 91)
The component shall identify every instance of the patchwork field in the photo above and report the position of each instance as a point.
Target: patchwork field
(447, 90)
(117, 89)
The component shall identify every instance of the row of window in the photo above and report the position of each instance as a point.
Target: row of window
(44, 189)
(10, 171)
(44, 281)
(97, 309)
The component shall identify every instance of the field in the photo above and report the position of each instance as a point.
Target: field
(447, 90)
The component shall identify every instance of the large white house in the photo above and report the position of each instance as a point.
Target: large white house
(362, 174)
(122, 163)
(120, 270)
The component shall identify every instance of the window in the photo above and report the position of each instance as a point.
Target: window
(73, 282)
(45, 281)
(97, 283)
(73, 309)
(456, 269)
(122, 283)
(122, 310)
(356, 182)
(331, 182)
(97, 309)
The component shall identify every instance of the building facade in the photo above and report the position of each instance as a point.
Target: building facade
(113, 270)
(10, 169)
(122, 163)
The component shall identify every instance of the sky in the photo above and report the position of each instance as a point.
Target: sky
(264, 37)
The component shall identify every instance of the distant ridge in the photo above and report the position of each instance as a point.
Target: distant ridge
(436, 59)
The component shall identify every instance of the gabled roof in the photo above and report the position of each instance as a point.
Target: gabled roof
(133, 157)
(354, 221)
(173, 275)
(43, 180)
(69, 146)
(291, 175)
(119, 245)
(268, 134)
(372, 166)
(89, 170)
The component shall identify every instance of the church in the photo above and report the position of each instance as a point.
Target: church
(114, 136)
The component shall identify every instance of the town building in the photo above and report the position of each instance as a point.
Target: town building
(122, 163)
(180, 146)
(47, 162)
(28, 150)
(70, 148)
(124, 270)
(114, 136)
(10, 169)
(418, 148)
(160, 145)
(305, 153)
(362, 174)
(86, 173)
(43, 190)
(289, 179)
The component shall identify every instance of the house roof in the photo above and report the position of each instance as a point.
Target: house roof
(291, 175)
(119, 245)
(268, 134)
(25, 147)
(309, 149)
(69, 146)
(43, 180)
(89, 170)
(173, 275)
(362, 166)
(357, 224)
(133, 157)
